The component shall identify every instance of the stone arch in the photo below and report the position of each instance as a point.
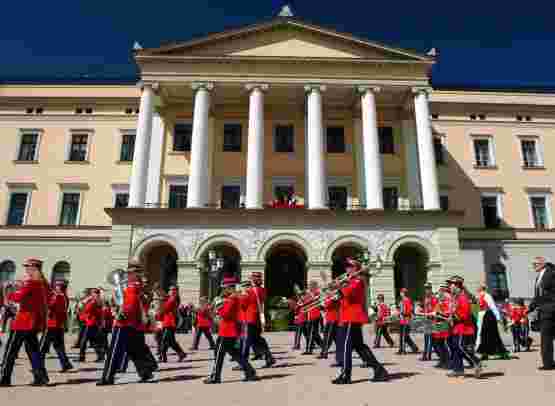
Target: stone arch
(285, 238)
(412, 240)
(151, 242)
(353, 240)
(220, 239)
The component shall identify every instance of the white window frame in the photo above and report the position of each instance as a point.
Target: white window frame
(341, 181)
(25, 131)
(119, 189)
(120, 134)
(547, 197)
(491, 150)
(76, 131)
(69, 188)
(538, 147)
(499, 202)
(175, 181)
(28, 190)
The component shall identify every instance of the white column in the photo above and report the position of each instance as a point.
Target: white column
(428, 173)
(317, 190)
(413, 168)
(139, 170)
(198, 188)
(373, 173)
(359, 156)
(155, 162)
(255, 152)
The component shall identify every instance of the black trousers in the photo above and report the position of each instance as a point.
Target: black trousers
(169, 341)
(313, 327)
(462, 348)
(16, 340)
(405, 339)
(442, 350)
(355, 341)
(82, 327)
(55, 337)
(207, 334)
(516, 329)
(228, 345)
(253, 339)
(547, 330)
(91, 335)
(382, 331)
(330, 333)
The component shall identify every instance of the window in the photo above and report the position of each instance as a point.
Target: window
(232, 137)
(540, 212)
(284, 138)
(127, 147)
(497, 282)
(337, 197)
(28, 147)
(7, 271)
(70, 209)
(390, 198)
(231, 197)
(444, 202)
(387, 143)
(121, 200)
(491, 211)
(60, 271)
(182, 134)
(17, 208)
(178, 196)
(335, 140)
(439, 151)
(483, 152)
(530, 153)
(78, 149)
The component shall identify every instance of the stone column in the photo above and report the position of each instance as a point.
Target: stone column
(384, 283)
(413, 168)
(428, 172)
(139, 171)
(155, 162)
(359, 159)
(317, 187)
(198, 189)
(373, 173)
(255, 152)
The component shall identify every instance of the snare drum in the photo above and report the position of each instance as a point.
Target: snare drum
(440, 327)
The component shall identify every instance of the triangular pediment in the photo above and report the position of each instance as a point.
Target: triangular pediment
(285, 38)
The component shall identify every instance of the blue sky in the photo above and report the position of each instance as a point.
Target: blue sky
(479, 43)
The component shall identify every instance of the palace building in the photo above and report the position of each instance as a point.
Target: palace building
(280, 147)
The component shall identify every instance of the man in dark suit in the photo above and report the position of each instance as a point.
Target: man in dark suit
(544, 302)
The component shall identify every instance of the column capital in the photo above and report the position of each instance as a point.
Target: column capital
(261, 86)
(362, 90)
(155, 86)
(208, 86)
(315, 87)
(421, 89)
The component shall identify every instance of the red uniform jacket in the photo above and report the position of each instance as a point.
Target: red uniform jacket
(352, 307)
(92, 313)
(517, 315)
(57, 310)
(169, 309)
(406, 309)
(228, 313)
(383, 312)
(463, 316)
(443, 308)
(314, 314)
(249, 303)
(33, 304)
(131, 309)
(107, 317)
(300, 316)
(482, 302)
(331, 308)
(204, 317)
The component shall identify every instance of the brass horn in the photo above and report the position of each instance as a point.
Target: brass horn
(118, 279)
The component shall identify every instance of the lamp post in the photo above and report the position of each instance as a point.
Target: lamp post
(215, 265)
(377, 264)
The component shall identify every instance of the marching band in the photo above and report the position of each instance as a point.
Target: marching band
(116, 329)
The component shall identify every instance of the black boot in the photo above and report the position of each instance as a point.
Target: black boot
(342, 379)
(38, 379)
(211, 380)
(66, 367)
(104, 382)
(380, 375)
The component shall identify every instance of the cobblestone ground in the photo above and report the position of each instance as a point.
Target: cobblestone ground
(296, 379)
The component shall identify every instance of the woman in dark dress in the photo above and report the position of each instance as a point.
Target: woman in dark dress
(488, 342)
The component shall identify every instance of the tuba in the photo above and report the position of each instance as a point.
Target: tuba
(118, 280)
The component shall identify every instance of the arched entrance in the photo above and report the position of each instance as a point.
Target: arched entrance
(231, 266)
(340, 254)
(410, 269)
(285, 268)
(160, 262)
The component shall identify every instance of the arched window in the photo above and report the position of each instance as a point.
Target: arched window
(497, 282)
(7, 271)
(60, 271)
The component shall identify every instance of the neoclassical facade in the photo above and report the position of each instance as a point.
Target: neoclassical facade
(192, 159)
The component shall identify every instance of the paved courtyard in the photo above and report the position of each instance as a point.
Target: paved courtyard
(295, 380)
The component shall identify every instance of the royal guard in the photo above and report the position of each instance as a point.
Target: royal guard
(525, 326)
(93, 320)
(203, 323)
(440, 325)
(331, 315)
(314, 318)
(252, 302)
(228, 333)
(429, 304)
(30, 320)
(406, 312)
(58, 305)
(353, 316)
(80, 316)
(461, 340)
(168, 315)
(382, 314)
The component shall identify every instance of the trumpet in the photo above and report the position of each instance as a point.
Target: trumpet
(321, 300)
